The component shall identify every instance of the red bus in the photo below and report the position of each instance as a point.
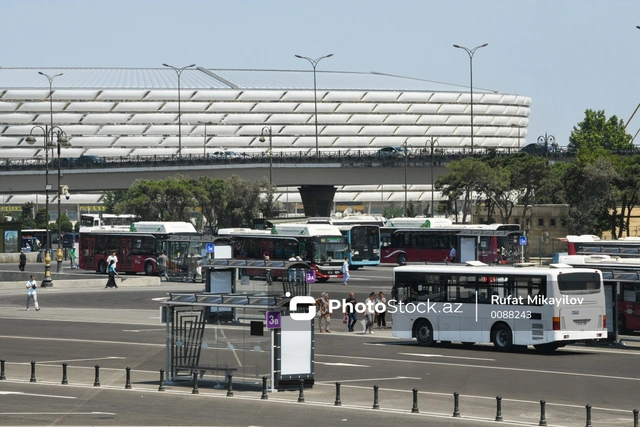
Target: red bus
(136, 250)
(491, 244)
(628, 247)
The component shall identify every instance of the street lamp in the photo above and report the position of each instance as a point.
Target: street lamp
(470, 52)
(517, 126)
(204, 148)
(545, 140)
(432, 143)
(49, 132)
(406, 165)
(267, 131)
(179, 72)
(314, 64)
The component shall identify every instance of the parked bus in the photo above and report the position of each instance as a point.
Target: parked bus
(364, 244)
(34, 239)
(623, 275)
(592, 245)
(104, 221)
(136, 250)
(321, 245)
(504, 305)
(491, 244)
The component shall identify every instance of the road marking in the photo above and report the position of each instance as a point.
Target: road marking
(160, 299)
(448, 357)
(37, 395)
(497, 368)
(370, 379)
(82, 360)
(342, 364)
(82, 341)
(144, 330)
(58, 413)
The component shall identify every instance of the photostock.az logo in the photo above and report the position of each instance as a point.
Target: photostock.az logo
(302, 301)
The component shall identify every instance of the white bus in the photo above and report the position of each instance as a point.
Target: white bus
(547, 307)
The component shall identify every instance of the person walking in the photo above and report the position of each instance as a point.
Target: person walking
(453, 254)
(345, 271)
(381, 313)
(325, 314)
(72, 257)
(162, 262)
(31, 292)
(367, 322)
(113, 257)
(350, 310)
(23, 260)
(111, 270)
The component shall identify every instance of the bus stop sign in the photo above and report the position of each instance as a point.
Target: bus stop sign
(273, 319)
(210, 248)
(523, 240)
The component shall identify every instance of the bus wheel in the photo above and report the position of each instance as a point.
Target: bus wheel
(424, 333)
(148, 269)
(502, 337)
(622, 323)
(102, 267)
(546, 348)
(402, 259)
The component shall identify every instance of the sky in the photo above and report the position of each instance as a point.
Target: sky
(566, 55)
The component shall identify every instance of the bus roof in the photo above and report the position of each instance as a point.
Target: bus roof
(599, 261)
(490, 269)
(305, 230)
(419, 222)
(162, 227)
(582, 238)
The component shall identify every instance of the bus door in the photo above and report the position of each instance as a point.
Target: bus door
(126, 245)
(266, 249)
(88, 255)
(467, 250)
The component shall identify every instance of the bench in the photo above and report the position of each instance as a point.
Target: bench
(204, 368)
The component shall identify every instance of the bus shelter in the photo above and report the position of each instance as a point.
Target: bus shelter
(186, 253)
(242, 326)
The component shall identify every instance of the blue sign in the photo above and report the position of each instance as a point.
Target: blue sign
(311, 276)
(273, 319)
(523, 240)
(210, 248)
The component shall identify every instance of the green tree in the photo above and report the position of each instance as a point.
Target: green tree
(113, 201)
(26, 215)
(627, 191)
(411, 209)
(462, 182)
(393, 211)
(596, 136)
(41, 218)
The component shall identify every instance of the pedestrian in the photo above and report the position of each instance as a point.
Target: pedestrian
(367, 322)
(453, 254)
(345, 271)
(31, 292)
(381, 311)
(113, 257)
(322, 304)
(350, 310)
(268, 273)
(162, 262)
(72, 256)
(23, 260)
(112, 275)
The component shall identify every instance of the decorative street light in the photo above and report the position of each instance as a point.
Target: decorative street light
(314, 64)
(433, 142)
(179, 73)
(267, 131)
(406, 165)
(49, 132)
(470, 52)
(545, 140)
(204, 148)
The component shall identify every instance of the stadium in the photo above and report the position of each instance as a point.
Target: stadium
(120, 112)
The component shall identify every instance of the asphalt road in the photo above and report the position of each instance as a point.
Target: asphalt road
(120, 328)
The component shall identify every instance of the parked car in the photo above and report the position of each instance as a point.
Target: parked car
(88, 160)
(398, 151)
(224, 154)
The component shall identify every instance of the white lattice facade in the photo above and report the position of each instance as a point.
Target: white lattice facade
(129, 112)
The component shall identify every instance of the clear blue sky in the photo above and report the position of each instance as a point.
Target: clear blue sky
(567, 55)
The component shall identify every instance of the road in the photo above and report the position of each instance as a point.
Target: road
(119, 328)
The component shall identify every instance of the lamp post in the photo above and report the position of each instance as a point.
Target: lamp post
(433, 142)
(545, 140)
(204, 147)
(179, 73)
(470, 52)
(267, 131)
(406, 165)
(61, 140)
(314, 64)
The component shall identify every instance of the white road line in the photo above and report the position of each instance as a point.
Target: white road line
(369, 379)
(37, 395)
(447, 357)
(82, 341)
(82, 360)
(144, 330)
(58, 413)
(342, 364)
(497, 368)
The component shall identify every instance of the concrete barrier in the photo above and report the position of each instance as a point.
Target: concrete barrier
(16, 280)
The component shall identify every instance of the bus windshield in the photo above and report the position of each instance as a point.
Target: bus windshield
(330, 248)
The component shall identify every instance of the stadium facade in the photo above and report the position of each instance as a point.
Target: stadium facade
(114, 112)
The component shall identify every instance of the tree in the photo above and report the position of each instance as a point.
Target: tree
(26, 216)
(596, 137)
(462, 182)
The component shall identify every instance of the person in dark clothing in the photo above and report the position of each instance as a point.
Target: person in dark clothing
(23, 260)
(111, 283)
